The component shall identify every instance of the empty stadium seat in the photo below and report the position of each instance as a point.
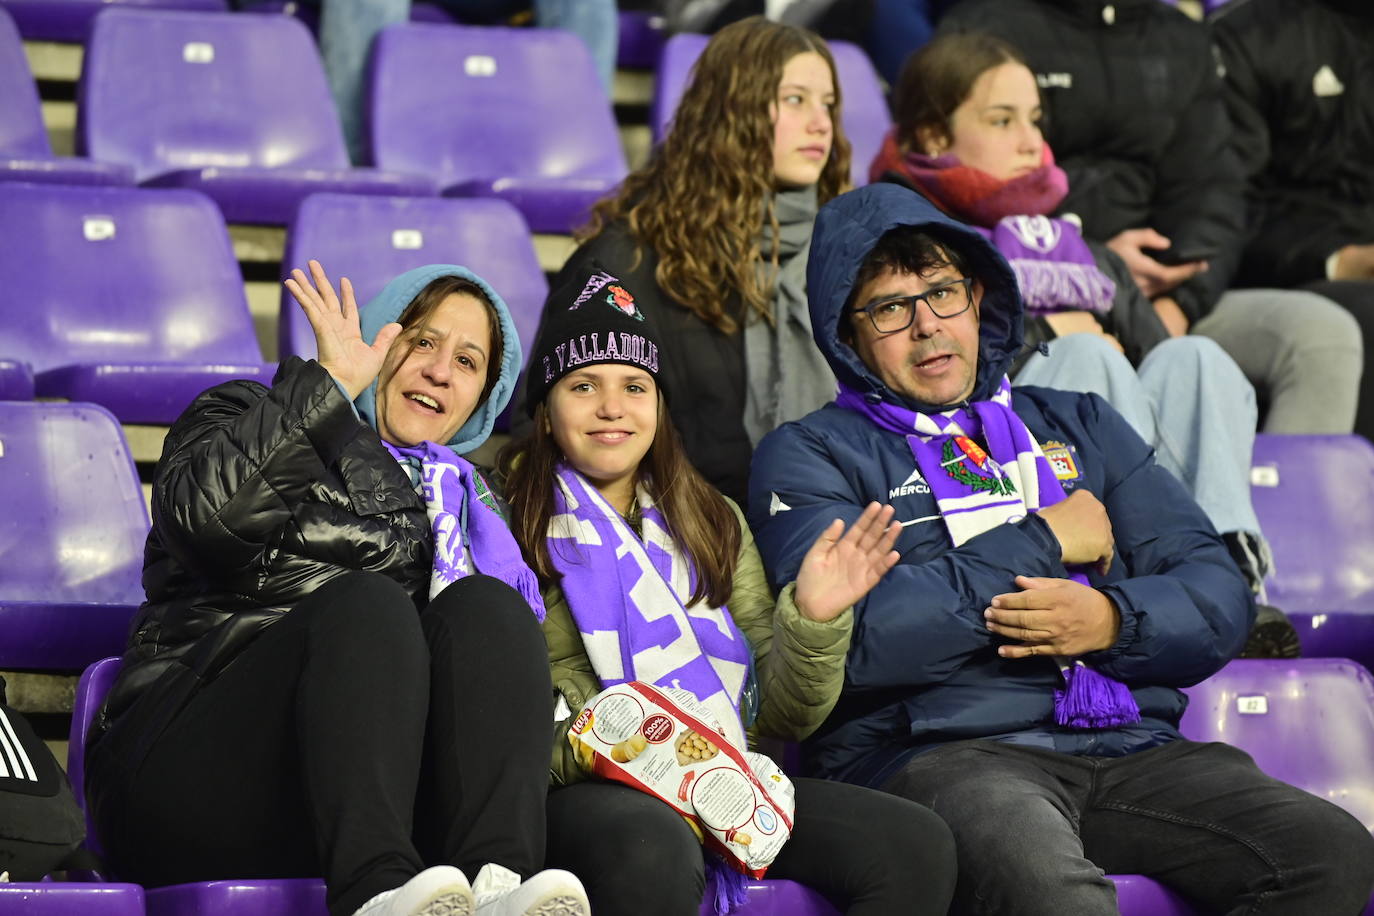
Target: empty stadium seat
(519, 114)
(25, 154)
(129, 298)
(51, 898)
(640, 40)
(16, 380)
(71, 536)
(70, 20)
(1311, 494)
(235, 105)
(866, 117)
(370, 240)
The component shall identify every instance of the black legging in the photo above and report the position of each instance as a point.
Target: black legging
(874, 853)
(303, 757)
(1357, 298)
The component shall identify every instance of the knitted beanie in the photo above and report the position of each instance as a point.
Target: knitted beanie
(591, 319)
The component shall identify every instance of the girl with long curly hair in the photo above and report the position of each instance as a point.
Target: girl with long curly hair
(713, 232)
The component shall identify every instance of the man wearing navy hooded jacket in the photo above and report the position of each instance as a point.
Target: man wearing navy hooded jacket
(1018, 670)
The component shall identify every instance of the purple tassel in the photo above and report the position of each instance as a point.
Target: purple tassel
(728, 888)
(1091, 699)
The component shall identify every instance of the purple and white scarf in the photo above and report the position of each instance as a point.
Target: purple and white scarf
(1054, 267)
(978, 490)
(628, 596)
(468, 528)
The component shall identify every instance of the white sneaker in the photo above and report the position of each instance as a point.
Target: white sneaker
(552, 892)
(439, 891)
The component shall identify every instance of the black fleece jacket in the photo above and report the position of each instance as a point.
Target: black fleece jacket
(1299, 77)
(1135, 115)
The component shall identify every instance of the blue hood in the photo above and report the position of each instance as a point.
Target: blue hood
(849, 227)
(387, 306)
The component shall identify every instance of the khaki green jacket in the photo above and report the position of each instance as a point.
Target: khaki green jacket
(800, 662)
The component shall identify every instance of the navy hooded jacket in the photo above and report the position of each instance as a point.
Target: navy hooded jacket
(923, 668)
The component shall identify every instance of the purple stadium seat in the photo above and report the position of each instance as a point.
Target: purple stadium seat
(640, 40)
(779, 898)
(866, 116)
(1311, 494)
(70, 20)
(520, 114)
(372, 239)
(25, 154)
(71, 535)
(126, 297)
(16, 380)
(235, 105)
(61, 898)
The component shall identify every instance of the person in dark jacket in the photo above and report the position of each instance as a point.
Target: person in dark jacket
(1018, 670)
(339, 669)
(1299, 83)
(652, 576)
(1134, 113)
(712, 235)
(967, 137)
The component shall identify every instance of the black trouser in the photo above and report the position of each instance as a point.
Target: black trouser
(876, 854)
(303, 757)
(1357, 298)
(1036, 830)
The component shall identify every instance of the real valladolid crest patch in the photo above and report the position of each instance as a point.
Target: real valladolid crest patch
(1062, 459)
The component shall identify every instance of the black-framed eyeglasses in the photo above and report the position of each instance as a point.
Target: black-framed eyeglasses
(946, 301)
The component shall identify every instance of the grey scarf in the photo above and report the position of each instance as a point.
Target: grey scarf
(788, 376)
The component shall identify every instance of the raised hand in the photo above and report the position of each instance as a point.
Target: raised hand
(352, 361)
(1053, 617)
(842, 566)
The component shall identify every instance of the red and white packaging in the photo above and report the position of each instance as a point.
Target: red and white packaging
(665, 743)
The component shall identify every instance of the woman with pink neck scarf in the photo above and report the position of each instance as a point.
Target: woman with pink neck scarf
(968, 138)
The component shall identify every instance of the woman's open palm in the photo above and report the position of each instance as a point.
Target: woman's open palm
(842, 566)
(352, 361)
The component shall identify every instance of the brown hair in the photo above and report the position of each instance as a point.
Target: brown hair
(698, 517)
(427, 300)
(699, 202)
(936, 80)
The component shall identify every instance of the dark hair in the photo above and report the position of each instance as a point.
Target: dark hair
(699, 204)
(937, 78)
(698, 517)
(427, 300)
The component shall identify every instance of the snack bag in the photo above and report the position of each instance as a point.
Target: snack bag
(665, 743)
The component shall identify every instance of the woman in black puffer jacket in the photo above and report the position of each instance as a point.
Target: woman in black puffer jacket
(313, 687)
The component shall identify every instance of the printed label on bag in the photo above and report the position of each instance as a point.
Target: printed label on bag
(665, 743)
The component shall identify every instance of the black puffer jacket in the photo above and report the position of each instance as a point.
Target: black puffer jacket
(1299, 78)
(1135, 116)
(262, 496)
